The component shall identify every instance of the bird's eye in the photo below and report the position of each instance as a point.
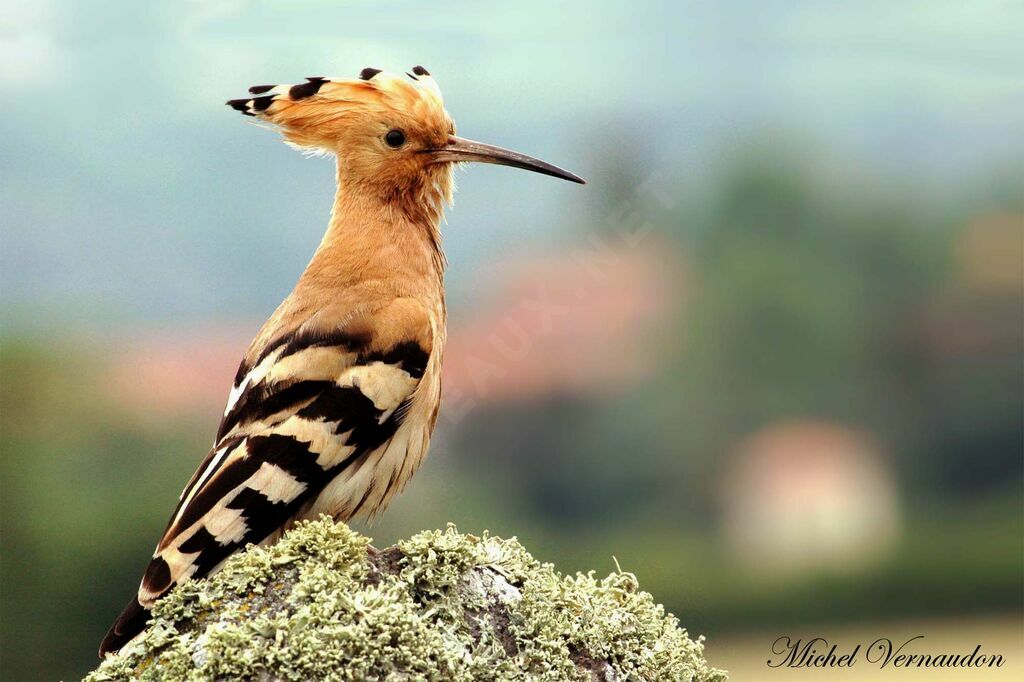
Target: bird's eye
(395, 138)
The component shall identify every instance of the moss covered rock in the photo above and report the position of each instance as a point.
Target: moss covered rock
(323, 604)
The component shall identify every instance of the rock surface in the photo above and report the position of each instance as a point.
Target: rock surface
(322, 604)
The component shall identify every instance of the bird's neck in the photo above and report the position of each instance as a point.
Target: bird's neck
(374, 237)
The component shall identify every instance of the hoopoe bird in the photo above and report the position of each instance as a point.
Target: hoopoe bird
(335, 401)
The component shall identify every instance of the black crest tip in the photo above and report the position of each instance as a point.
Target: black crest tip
(306, 89)
(262, 103)
(368, 73)
(260, 89)
(420, 71)
(240, 105)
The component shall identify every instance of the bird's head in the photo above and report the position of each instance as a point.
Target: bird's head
(391, 134)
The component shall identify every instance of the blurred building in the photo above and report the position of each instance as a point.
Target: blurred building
(584, 320)
(990, 253)
(186, 373)
(805, 496)
(964, 360)
(980, 312)
(581, 321)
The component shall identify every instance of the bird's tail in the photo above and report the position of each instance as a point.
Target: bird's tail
(128, 625)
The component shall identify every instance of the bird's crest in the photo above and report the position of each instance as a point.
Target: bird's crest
(317, 114)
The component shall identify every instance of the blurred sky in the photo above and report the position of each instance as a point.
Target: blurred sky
(130, 194)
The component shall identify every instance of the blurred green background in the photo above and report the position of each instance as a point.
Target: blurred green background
(770, 358)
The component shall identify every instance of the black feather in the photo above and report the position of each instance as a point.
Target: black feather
(158, 576)
(240, 105)
(306, 89)
(261, 103)
(131, 622)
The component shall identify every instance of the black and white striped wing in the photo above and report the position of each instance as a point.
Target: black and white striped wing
(310, 407)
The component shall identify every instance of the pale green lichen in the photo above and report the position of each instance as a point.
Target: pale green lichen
(323, 605)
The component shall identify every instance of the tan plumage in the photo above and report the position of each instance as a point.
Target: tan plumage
(334, 403)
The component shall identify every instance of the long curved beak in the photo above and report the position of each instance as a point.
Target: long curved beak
(461, 149)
